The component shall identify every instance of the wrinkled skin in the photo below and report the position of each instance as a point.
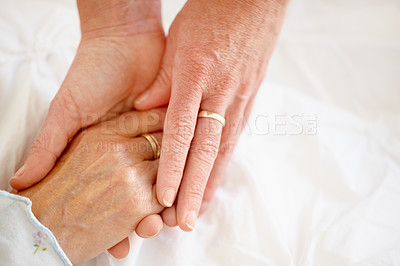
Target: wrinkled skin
(216, 56)
(101, 187)
(118, 58)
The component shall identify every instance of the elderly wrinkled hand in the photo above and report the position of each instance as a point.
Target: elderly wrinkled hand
(101, 187)
(216, 56)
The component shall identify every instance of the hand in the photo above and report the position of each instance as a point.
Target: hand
(216, 56)
(101, 187)
(118, 58)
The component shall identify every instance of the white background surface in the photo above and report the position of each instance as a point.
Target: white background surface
(329, 198)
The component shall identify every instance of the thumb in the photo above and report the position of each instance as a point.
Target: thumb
(61, 124)
(157, 94)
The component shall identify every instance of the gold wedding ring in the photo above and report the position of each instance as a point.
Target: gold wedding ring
(212, 115)
(155, 145)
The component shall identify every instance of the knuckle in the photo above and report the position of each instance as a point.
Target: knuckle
(180, 143)
(136, 202)
(243, 95)
(136, 195)
(132, 205)
(41, 145)
(66, 105)
(174, 170)
(181, 118)
(196, 70)
(206, 151)
(195, 192)
(209, 72)
(188, 95)
(126, 175)
(180, 128)
(226, 149)
(199, 65)
(198, 58)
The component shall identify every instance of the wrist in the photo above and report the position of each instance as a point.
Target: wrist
(122, 18)
(265, 10)
(252, 14)
(261, 3)
(47, 210)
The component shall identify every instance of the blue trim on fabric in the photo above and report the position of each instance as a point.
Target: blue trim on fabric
(38, 225)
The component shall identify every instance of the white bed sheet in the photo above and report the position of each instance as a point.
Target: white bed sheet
(328, 195)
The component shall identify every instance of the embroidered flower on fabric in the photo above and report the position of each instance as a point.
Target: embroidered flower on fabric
(39, 241)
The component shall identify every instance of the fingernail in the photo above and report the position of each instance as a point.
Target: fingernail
(150, 236)
(20, 171)
(12, 179)
(17, 174)
(169, 196)
(142, 97)
(190, 220)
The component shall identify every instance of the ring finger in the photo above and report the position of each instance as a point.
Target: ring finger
(144, 148)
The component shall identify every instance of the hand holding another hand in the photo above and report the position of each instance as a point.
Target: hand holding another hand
(101, 187)
(216, 56)
(118, 57)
